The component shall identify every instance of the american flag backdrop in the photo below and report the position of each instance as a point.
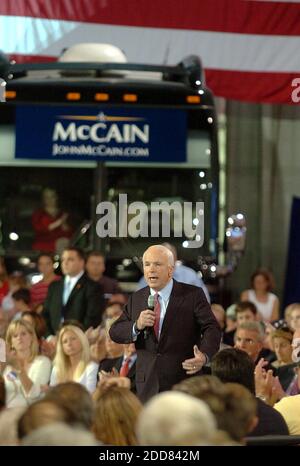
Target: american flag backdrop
(250, 48)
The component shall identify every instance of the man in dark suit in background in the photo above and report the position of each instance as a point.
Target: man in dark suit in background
(175, 339)
(75, 296)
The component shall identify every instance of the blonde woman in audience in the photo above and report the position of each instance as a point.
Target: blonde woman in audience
(295, 316)
(116, 412)
(288, 313)
(260, 294)
(72, 361)
(26, 371)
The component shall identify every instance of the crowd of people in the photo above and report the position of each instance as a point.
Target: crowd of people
(81, 363)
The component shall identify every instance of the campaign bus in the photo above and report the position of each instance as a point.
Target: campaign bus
(135, 142)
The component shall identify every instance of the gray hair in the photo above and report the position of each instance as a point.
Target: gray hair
(253, 327)
(173, 418)
(164, 250)
(59, 434)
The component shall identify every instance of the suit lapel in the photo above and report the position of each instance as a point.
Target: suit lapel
(76, 288)
(60, 292)
(173, 308)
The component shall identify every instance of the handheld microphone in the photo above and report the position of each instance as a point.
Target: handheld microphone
(150, 305)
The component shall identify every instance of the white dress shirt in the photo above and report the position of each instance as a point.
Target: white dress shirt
(70, 282)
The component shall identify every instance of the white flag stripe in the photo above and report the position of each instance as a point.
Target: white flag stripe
(223, 51)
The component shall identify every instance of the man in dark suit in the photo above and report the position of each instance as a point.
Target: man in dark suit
(75, 296)
(175, 339)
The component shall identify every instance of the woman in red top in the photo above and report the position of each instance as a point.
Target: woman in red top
(50, 224)
(4, 286)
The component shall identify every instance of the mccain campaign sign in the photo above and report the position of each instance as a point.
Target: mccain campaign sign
(101, 134)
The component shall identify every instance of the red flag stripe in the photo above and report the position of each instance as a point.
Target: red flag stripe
(241, 16)
(253, 86)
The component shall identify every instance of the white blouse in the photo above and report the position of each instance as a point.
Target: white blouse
(88, 378)
(39, 373)
(265, 309)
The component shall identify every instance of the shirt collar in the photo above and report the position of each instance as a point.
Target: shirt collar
(74, 279)
(164, 292)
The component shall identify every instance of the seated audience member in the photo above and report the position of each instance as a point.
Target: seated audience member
(4, 285)
(39, 290)
(233, 405)
(268, 342)
(236, 366)
(294, 387)
(95, 267)
(124, 367)
(245, 312)
(72, 361)
(38, 323)
(296, 346)
(295, 317)
(289, 408)
(16, 281)
(76, 398)
(25, 371)
(249, 337)
(282, 341)
(267, 303)
(228, 335)
(175, 419)
(127, 365)
(59, 434)
(116, 414)
(98, 347)
(21, 299)
(114, 306)
(42, 413)
(288, 313)
(114, 351)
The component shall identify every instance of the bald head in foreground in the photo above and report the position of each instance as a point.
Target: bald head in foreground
(159, 422)
(176, 337)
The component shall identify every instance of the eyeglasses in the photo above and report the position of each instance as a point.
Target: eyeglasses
(247, 341)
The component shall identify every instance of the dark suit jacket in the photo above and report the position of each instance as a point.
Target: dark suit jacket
(269, 423)
(108, 364)
(188, 321)
(85, 304)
